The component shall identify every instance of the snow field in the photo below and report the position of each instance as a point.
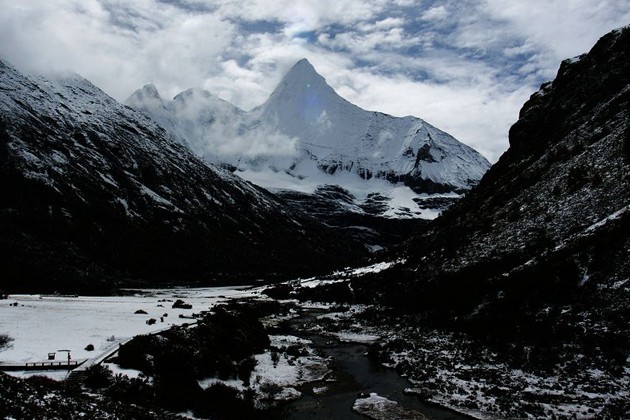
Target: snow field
(42, 324)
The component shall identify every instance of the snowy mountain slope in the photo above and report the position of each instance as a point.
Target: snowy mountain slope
(192, 115)
(340, 136)
(305, 136)
(90, 186)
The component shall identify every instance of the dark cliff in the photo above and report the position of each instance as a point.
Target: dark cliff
(540, 247)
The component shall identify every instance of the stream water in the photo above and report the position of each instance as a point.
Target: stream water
(353, 373)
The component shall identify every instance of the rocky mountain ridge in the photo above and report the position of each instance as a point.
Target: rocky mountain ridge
(565, 176)
(545, 233)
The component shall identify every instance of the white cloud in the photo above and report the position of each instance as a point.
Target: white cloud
(168, 46)
(309, 14)
(387, 23)
(558, 29)
(435, 13)
(367, 42)
(323, 122)
(568, 27)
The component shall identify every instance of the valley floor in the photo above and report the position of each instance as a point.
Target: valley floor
(41, 324)
(327, 358)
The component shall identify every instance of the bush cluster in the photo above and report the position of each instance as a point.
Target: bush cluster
(221, 345)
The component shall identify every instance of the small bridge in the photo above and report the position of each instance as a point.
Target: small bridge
(73, 364)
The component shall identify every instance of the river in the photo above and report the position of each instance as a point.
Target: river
(353, 373)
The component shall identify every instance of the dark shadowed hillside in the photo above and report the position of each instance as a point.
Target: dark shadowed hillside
(94, 191)
(536, 257)
(548, 224)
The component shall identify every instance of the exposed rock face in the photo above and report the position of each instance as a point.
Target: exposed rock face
(562, 184)
(91, 189)
(554, 208)
(338, 208)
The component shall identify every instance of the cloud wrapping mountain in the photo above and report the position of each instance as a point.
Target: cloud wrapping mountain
(305, 133)
(466, 66)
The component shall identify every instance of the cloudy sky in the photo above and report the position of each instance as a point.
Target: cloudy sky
(465, 66)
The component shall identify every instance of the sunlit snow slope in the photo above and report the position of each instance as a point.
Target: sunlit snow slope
(305, 135)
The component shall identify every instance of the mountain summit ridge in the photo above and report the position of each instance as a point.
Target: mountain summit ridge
(306, 135)
(302, 75)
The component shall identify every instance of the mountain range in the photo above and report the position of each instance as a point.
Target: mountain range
(306, 136)
(94, 193)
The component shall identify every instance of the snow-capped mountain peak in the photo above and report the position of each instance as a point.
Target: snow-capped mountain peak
(306, 135)
(302, 72)
(304, 85)
(193, 116)
(148, 95)
(198, 103)
(303, 104)
(150, 91)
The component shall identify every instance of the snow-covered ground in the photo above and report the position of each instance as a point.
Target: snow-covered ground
(380, 408)
(42, 324)
(344, 275)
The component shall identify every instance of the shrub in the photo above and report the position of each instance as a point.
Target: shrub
(5, 342)
(245, 369)
(270, 389)
(98, 376)
(134, 354)
(132, 390)
(275, 358)
(221, 344)
(224, 402)
(180, 304)
(176, 386)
